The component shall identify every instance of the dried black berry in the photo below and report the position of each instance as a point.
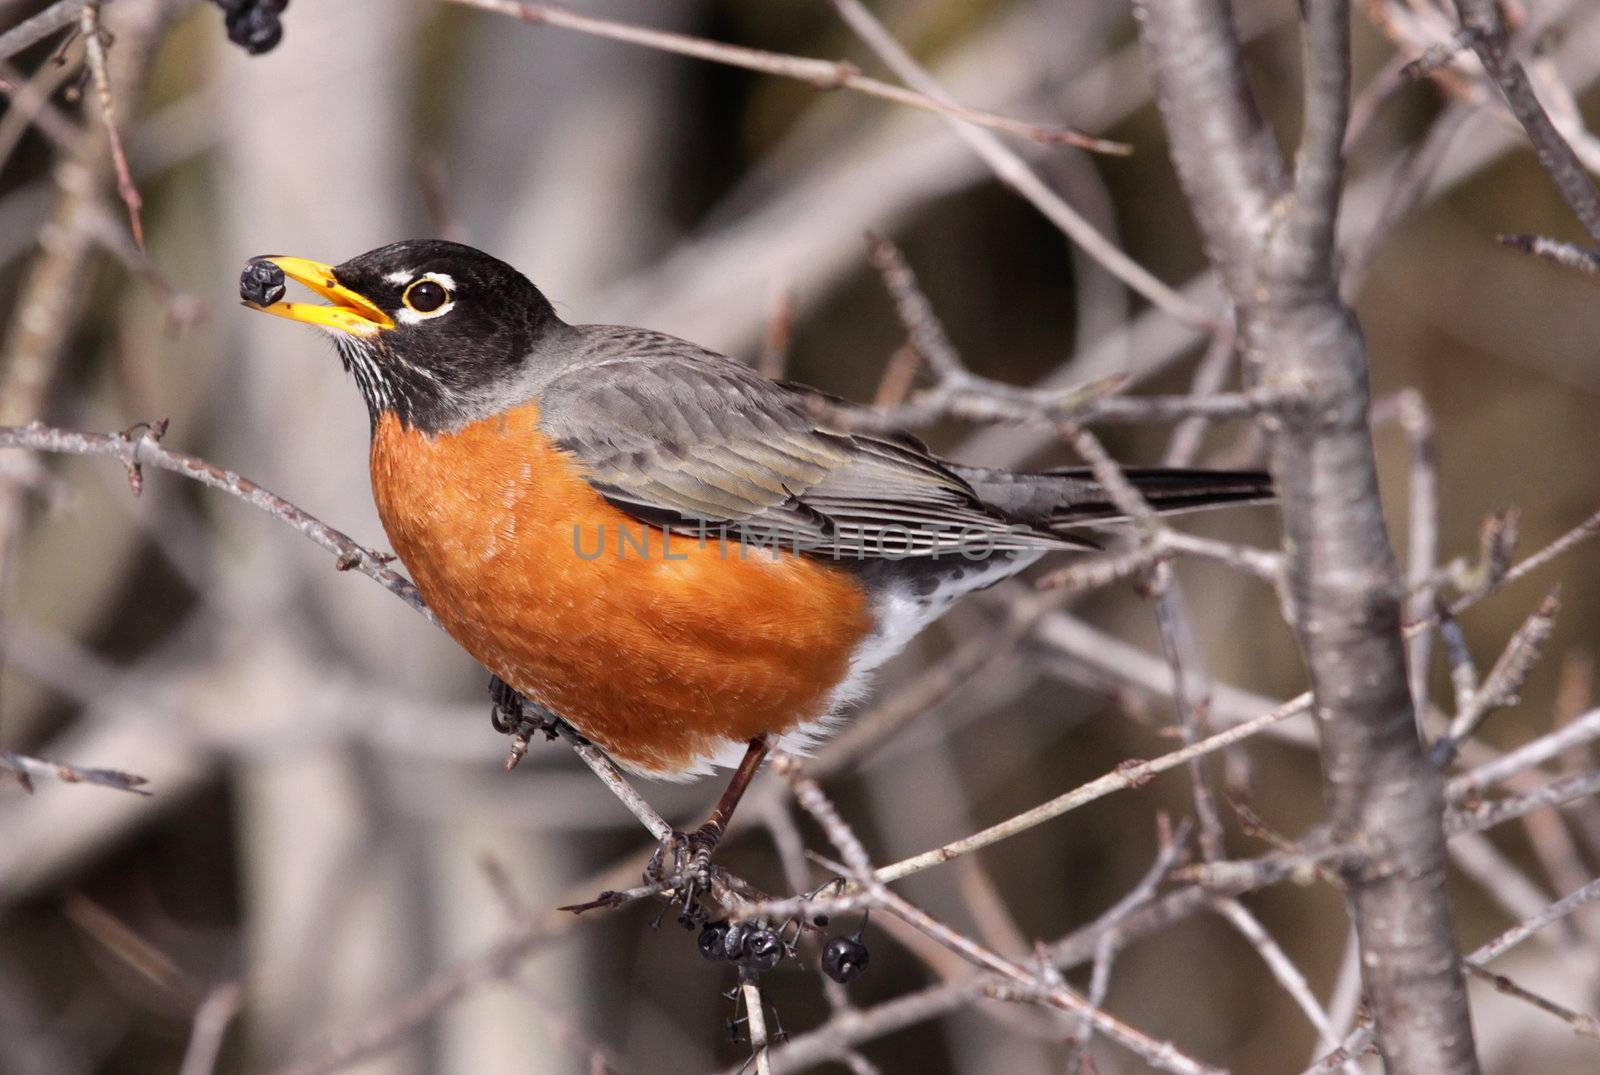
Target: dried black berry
(713, 936)
(261, 283)
(254, 29)
(733, 940)
(762, 950)
(844, 958)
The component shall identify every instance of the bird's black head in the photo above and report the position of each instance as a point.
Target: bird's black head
(434, 332)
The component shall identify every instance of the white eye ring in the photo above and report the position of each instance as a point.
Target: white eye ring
(410, 315)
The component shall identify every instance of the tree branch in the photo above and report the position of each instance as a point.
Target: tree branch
(1343, 587)
(1487, 33)
(143, 448)
(823, 74)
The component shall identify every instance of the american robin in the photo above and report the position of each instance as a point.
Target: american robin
(685, 560)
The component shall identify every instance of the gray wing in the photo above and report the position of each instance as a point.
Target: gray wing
(692, 441)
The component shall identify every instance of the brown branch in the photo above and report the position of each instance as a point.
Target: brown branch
(823, 74)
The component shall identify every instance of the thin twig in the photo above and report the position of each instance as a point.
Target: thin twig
(606, 770)
(1012, 170)
(1582, 1023)
(1156, 1053)
(24, 768)
(29, 32)
(143, 448)
(1282, 967)
(1577, 732)
(1171, 852)
(211, 1022)
(95, 54)
(1130, 774)
(823, 74)
(756, 1021)
(1488, 37)
(1488, 815)
(1567, 255)
(1505, 679)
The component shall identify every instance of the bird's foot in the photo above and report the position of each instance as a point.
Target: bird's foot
(684, 854)
(682, 868)
(522, 718)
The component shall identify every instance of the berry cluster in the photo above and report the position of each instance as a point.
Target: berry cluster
(754, 948)
(253, 25)
(758, 948)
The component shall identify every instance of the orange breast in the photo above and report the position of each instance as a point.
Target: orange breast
(658, 647)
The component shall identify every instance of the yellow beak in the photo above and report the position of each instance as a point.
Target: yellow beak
(349, 311)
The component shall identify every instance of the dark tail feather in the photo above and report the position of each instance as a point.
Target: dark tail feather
(1168, 490)
(1062, 499)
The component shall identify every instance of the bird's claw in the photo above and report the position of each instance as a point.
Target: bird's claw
(522, 718)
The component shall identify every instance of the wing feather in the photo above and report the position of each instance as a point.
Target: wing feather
(688, 439)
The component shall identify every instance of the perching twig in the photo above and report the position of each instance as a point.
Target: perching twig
(144, 449)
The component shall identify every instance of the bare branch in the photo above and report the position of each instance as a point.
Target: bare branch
(1015, 173)
(1566, 255)
(823, 74)
(1505, 679)
(1033, 986)
(1487, 35)
(1514, 936)
(1582, 1024)
(1129, 774)
(1272, 245)
(143, 448)
(1578, 731)
(211, 1021)
(95, 51)
(24, 768)
(29, 32)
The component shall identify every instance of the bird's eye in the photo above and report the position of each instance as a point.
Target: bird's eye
(426, 296)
